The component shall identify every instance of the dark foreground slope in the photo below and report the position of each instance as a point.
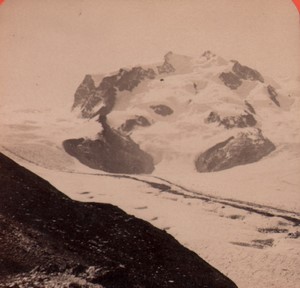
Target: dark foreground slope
(49, 240)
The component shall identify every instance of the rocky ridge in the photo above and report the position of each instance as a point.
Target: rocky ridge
(100, 100)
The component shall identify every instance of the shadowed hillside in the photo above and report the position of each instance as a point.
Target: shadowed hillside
(49, 240)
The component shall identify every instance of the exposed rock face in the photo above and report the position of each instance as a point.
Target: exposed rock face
(208, 55)
(130, 124)
(233, 79)
(213, 117)
(162, 110)
(167, 66)
(246, 147)
(84, 91)
(132, 78)
(49, 240)
(88, 97)
(273, 95)
(250, 107)
(246, 73)
(238, 121)
(110, 152)
(230, 80)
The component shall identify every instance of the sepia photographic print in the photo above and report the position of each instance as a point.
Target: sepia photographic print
(149, 144)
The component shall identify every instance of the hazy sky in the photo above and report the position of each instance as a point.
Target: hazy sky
(47, 46)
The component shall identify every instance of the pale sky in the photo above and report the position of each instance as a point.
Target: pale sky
(47, 46)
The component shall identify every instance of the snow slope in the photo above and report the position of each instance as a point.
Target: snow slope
(251, 248)
(174, 141)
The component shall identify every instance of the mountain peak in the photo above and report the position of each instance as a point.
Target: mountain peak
(188, 101)
(208, 54)
(175, 63)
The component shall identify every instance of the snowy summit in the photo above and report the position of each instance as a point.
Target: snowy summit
(187, 112)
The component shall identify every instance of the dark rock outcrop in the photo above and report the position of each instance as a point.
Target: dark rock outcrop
(233, 79)
(130, 124)
(49, 240)
(273, 95)
(132, 78)
(88, 97)
(250, 107)
(110, 152)
(102, 96)
(213, 117)
(162, 110)
(208, 55)
(243, 149)
(230, 80)
(246, 73)
(238, 121)
(166, 67)
(84, 91)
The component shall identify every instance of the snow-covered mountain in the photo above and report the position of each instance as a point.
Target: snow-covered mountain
(189, 116)
(205, 114)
